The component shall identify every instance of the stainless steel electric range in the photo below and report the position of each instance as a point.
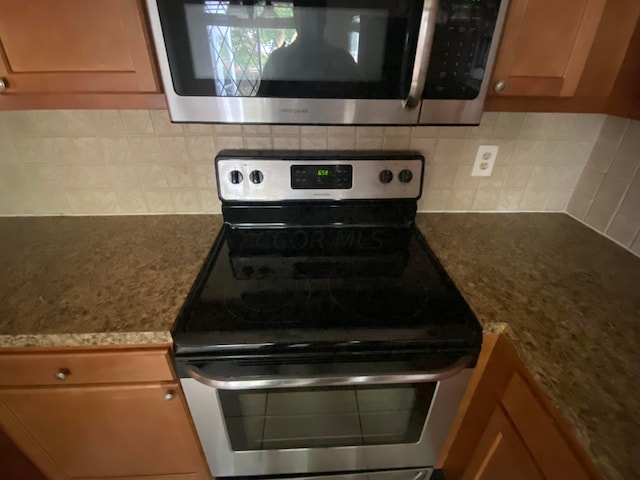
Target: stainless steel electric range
(322, 338)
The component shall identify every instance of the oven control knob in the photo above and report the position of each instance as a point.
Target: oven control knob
(256, 176)
(386, 176)
(405, 176)
(236, 177)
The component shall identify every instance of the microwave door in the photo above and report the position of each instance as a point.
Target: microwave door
(300, 61)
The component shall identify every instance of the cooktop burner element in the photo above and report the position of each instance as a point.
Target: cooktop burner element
(338, 267)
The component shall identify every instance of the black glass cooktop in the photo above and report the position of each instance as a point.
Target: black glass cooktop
(332, 288)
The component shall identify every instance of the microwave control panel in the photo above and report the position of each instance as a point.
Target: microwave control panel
(269, 179)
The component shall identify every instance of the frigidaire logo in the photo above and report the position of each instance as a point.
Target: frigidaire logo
(294, 110)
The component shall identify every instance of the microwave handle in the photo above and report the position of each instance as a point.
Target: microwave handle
(327, 380)
(423, 53)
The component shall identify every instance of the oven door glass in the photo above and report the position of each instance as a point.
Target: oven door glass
(293, 49)
(325, 417)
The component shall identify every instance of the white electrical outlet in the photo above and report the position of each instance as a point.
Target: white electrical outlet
(485, 158)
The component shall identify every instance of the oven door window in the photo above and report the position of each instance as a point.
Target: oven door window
(326, 417)
(297, 49)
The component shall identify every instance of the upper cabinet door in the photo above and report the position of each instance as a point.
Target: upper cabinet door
(545, 46)
(74, 46)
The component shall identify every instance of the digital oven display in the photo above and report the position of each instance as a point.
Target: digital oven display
(321, 177)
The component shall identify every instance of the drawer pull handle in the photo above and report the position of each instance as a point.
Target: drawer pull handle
(62, 374)
(170, 395)
(500, 86)
(3, 85)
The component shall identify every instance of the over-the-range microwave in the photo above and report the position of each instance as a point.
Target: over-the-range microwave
(376, 62)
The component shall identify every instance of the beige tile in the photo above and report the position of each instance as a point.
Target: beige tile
(434, 200)
(579, 205)
(87, 150)
(33, 149)
(624, 164)
(440, 175)
(563, 125)
(557, 200)
(159, 201)
(286, 143)
(258, 143)
(486, 200)
(565, 152)
(203, 174)
(450, 150)
(453, 132)
(396, 143)
(509, 200)
(8, 152)
(342, 143)
(51, 202)
(426, 132)
(518, 176)
(18, 202)
(536, 126)
(509, 125)
(90, 176)
(533, 200)
(426, 146)
(543, 177)
(198, 129)
(589, 182)
(313, 143)
(116, 150)
(461, 200)
(369, 143)
(567, 176)
(228, 129)
(613, 129)
(496, 180)
(623, 229)
(93, 122)
(485, 128)
(173, 148)
(44, 176)
(209, 201)
(605, 203)
(313, 130)
(397, 131)
(13, 176)
(370, 132)
(342, 131)
(92, 202)
(179, 176)
(635, 246)
(162, 123)
(132, 201)
(201, 148)
(224, 142)
(145, 149)
(527, 152)
(630, 206)
(43, 122)
(137, 122)
(588, 125)
(186, 201)
(152, 176)
(506, 147)
(470, 149)
(285, 130)
(602, 155)
(464, 179)
(124, 176)
(256, 130)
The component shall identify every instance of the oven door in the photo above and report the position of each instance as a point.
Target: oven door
(305, 419)
(293, 61)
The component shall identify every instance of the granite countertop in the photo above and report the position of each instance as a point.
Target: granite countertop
(566, 296)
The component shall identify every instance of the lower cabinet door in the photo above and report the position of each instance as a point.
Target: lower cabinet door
(104, 432)
(501, 454)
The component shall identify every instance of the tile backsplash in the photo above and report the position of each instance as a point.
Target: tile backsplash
(607, 196)
(137, 161)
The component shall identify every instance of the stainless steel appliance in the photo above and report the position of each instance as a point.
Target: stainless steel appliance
(326, 61)
(322, 336)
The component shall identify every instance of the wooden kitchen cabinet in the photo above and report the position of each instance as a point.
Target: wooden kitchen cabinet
(75, 54)
(508, 429)
(102, 431)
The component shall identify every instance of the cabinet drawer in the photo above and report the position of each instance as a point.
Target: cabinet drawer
(62, 368)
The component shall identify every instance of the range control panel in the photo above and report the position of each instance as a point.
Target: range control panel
(269, 179)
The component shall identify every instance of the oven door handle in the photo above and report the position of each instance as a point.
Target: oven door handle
(327, 380)
(423, 54)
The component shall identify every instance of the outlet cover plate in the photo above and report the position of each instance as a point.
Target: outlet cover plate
(485, 159)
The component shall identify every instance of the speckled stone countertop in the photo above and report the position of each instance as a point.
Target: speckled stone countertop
(571, 300)
(568, 298)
